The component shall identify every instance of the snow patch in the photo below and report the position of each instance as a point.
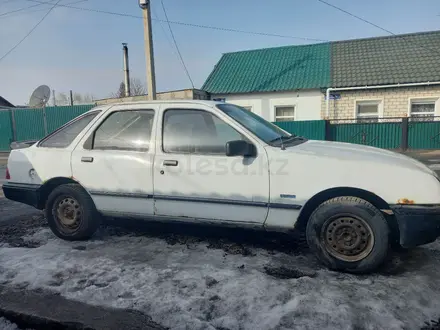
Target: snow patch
(193, 287)
(6, 325)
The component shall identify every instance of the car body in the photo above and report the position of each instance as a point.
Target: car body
(214, 162)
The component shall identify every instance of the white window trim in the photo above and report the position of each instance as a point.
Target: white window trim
(379, 102)
(294, 106)
(435, 98)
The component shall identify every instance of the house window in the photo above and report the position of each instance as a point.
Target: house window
(423, 110)
(285, 113)
(367, 111)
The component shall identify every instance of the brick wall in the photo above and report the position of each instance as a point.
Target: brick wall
(394, 101)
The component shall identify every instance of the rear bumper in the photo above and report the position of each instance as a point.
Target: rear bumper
(24, 193)
(418, 224)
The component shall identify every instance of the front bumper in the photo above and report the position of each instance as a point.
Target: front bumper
(24, 193)
(418, 224)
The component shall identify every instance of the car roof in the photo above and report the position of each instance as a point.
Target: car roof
(205, 102)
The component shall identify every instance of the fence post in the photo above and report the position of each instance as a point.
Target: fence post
(405, 127)
(14, 125)
(45, 121)
(328, 131)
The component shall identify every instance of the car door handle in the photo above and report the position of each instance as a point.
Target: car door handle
(87, 159)
(170, 163)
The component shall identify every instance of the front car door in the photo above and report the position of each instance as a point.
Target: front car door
(193, 177)
(114, 161)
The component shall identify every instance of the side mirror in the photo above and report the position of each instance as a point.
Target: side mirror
(240, 148)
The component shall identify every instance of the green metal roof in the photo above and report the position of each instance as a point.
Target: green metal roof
(271, 69)
(400, 59)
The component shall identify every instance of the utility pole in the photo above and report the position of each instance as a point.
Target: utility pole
(126, 70)
(149, 52)
(71, 98)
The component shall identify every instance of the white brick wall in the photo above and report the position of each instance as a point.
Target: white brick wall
(395, 101)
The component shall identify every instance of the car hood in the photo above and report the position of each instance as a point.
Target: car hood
(357, 153)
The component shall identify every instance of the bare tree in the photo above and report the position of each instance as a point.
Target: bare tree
(136, 88)
(62, 99)
(78, 98)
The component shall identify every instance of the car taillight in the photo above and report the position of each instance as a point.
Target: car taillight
(8, 175)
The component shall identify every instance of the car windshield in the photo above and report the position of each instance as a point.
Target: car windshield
(265, 130)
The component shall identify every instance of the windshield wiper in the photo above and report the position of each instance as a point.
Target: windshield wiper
(284, 138)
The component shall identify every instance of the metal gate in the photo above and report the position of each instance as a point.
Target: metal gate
(424, 133)
(386, 133)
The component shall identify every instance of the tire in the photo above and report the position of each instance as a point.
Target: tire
(348, 234)
(71, 213)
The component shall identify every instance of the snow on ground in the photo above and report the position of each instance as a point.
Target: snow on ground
(196, 286)
(6, 325)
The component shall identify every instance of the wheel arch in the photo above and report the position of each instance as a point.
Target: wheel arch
(325, 195)
(49, 186)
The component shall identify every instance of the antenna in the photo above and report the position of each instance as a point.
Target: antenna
(40, 97)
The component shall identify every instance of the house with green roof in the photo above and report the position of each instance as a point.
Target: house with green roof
(393, 76)
(362, 79)
(279, 84)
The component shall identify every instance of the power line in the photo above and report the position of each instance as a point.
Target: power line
(21, 9)
(190, 24)
(377, 26)
(175, 43)
(6, 1)
(11, 14)
(355, 16)
(30, 32)
(163, 29)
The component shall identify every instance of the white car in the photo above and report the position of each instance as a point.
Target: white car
(212, 162)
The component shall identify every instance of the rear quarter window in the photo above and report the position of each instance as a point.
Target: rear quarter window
(64, 136)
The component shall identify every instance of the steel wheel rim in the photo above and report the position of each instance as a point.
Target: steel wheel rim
(347, 238)
(68, 213)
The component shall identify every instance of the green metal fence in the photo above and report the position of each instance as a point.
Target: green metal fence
(6, 135)
(58, 116)
(19, 124)
(424, 135)
(29, 124)
(311, 129)
(380, 135)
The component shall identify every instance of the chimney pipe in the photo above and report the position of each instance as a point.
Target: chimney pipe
(126, 70)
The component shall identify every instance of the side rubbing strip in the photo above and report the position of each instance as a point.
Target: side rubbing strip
(117, 194)
(199, 200)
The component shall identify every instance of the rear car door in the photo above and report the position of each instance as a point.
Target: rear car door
(115, 158)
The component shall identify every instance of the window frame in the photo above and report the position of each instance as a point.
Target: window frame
(361, 118)
(90, 141)
(421, 100)
(93, 112)
(190, 153)
(285, 106)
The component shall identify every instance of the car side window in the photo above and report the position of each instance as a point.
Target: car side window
(196, 132)
(65, 135)
(125, 130)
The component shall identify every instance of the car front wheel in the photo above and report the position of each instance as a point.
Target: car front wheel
(348, 234)
(71, 213)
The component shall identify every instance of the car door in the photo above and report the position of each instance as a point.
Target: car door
(193, 177)
(114, 161)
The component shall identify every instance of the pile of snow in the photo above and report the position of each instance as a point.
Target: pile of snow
(193, 287)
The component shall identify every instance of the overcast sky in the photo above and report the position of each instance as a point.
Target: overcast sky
(81, 50)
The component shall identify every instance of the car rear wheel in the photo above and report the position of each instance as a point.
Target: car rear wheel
(348, 234)
(71, 213)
